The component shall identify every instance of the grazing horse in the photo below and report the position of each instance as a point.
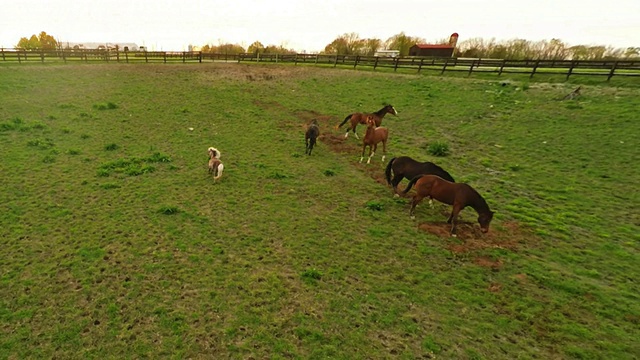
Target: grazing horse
(361, 118)
(372, 137)
(459, 195)
(405, 167)
(311, 135)
(215, 165)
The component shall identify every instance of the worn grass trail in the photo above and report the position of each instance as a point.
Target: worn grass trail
(115, 241)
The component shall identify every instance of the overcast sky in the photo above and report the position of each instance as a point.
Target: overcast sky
(312, 24)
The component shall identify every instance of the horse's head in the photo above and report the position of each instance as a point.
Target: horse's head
(484, 220)
(391, 110)
(371, 122)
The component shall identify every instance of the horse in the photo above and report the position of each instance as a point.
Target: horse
(215, 165)
(372, 137)
(460, 195)
(310, 136)
(406, 167)
(361, 118)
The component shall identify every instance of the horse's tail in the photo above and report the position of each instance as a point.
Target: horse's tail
(387, 171)
(218, 172)
(413, 181)
(345, 120)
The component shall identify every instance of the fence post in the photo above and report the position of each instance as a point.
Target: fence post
(570, 69)
(473, 63)
(375, 64)
(146, 59)
(502, 66)
(535, 67)
(126, 56)
(613, 69)
(42, 55)
(335, 63)
(2, 50)
(395, 65)
(420, 66)
(86, 58)
(164, 55)
(355, 63)
(200, 57)
(444, 67)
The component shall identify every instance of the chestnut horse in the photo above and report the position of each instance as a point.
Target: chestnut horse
(405, 167)
(459, 195)
(361, 118)
(372, 137)
(313, 131)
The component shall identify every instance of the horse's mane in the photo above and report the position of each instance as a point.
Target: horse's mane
(480, 204)
(382, 111)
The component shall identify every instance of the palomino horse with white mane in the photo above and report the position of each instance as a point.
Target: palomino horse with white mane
(215, 165)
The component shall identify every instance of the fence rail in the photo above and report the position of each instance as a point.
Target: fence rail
(607, 68)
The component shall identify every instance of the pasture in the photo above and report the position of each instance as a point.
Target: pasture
(115, 241)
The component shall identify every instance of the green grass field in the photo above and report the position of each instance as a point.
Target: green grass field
(116, 243)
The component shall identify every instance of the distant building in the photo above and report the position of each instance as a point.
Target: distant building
(435, 50)
(387, 53)
(102, 46)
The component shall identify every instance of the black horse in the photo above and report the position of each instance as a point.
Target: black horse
(313, 131)
(406, 167)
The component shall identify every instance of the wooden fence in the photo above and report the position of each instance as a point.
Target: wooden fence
(607, 68)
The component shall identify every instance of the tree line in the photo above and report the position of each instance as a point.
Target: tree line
(352, 44)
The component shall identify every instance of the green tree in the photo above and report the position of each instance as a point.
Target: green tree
(229, 49)
(370, 46)
(256, 48)
(47, 41)
(402, 43)
(42, 41)
(273, 49)
(346, 44)
(631, 52)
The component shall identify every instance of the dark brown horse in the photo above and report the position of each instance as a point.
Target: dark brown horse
(372, 137)
(311, 135)
(404, 167)
(361, 118)
(459, 195)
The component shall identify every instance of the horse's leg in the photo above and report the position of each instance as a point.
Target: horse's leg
(414, 202)
(384, 149)
(364, 146)
(371, 153)
(394, 183)
(453, 219)
(355, 133)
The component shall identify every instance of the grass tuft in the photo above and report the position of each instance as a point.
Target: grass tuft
(168, 210)
(311, 275)
(105, 106)
(374, 205)
(111, 147)
(438, 148)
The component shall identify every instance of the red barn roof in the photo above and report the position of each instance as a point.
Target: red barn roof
(434, 46)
